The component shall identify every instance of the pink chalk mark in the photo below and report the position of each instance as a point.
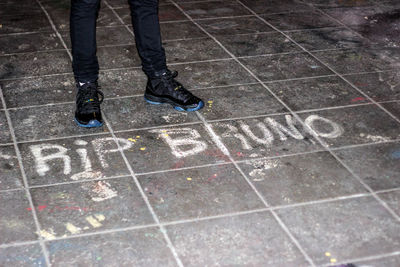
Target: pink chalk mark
(40, 208)
(358, 99)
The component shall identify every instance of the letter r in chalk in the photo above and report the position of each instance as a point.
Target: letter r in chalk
(41, 160)
(187, 138)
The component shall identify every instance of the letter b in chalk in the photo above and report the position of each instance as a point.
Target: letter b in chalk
(187, 139)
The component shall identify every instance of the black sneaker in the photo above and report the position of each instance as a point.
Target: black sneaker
(163, 88)
(87, 112)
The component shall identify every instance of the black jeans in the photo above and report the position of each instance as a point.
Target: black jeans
(146, 27)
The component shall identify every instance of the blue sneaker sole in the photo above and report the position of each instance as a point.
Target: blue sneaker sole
(199, 106)
(91, 124)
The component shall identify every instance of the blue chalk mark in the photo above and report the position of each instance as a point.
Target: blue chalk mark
(396, 154)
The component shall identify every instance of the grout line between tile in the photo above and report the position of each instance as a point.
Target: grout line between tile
(387, 190)
(144, 197)
(295, 115)
(17, 244)
(25, 181)
(53, 26)
(223, 148)
(194, 220)
(118, 17)
(323, 143)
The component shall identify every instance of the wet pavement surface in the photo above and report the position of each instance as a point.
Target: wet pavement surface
(293, 161)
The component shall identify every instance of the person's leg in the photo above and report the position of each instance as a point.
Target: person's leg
(83, 39)
(83, 18)
(161, 86)
(144, 14)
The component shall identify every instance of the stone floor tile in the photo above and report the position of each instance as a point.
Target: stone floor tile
(65, 210)
(31, 42)
(332, 38)
(48, 122)
(123, 56)
(115, 35)
(167, 12)
(316, 93)
(180, 30)
(290, 180)
(209, 74)
(354, 16)
(238, 101)
(170, 148)
(299, 20)
(123, 82)
(257, 44)
(34, 64)
(214, 9)
(246, 240)
(345, 229)
(72, 159)
(380, 86)
(24, 23)
(22, 256)
(135, 112)
(199, 192)
(39, 90)
(393, 107)
(264, 137)
(16, 221)
(23, 8)
(286, 66)
(353, 61)
(340, 3)
(10, 175)
(234, 25)
(5, 136)
(354, 125)
(145, 247)
(193, 50)
(392, 199)
(60, 17)
(275, 6)
(377, 165)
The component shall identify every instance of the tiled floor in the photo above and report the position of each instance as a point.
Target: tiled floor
(294, 160)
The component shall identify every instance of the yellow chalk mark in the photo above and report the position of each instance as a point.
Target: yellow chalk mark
(72, 228)
(137, 136)
(100, 217)
(48, 235)
(132, 140)
(333, 260)
(189, 179)
(210, 101)
(143, 148)
(93, 222)
(327, 254)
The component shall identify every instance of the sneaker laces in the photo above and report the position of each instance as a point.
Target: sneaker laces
(88, 98)
(168, 79)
